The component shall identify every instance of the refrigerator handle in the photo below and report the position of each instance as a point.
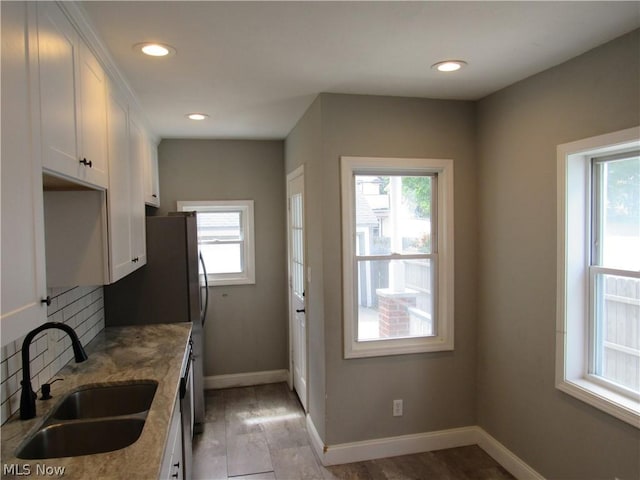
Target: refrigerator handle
(206, 290)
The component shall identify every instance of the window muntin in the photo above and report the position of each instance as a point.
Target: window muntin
(225, 239)
(397, 255)
(614, 350)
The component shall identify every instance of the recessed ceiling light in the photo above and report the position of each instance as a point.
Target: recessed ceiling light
(449, 65)
(197, 116)
(155, 49)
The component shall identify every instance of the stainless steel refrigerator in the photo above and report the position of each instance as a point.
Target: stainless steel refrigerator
(167, 290)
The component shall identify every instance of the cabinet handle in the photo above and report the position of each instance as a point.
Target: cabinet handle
(86, 163)
(135, 260)
(154, 195)
(46, 300)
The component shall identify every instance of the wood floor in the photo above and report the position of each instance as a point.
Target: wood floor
(259, 433)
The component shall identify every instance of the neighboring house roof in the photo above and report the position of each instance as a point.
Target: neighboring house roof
(364, 212)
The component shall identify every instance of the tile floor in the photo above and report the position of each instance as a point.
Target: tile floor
(259, 433)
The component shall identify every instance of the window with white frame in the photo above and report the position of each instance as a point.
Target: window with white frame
(599, 272)
(225, 239)
(397, 223)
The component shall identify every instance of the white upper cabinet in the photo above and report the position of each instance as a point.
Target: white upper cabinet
(125, 205)
(72, 101)
(93, 118)
(151, 179)
(138, 224)
(23, 284)
(61, 129)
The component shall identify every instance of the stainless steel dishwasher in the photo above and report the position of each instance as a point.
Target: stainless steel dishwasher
(186, 413)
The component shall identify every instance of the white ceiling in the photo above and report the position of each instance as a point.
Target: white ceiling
(255, 67)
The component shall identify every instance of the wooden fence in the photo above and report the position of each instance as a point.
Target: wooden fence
(621, 331)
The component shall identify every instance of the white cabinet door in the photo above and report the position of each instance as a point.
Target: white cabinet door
(126, 207)
(151, 179)
(138, 149)
(172, 460)
(119, 194)
(23, 263)
(72, 101)
(57, 56)
(138, 231)
(93, 118)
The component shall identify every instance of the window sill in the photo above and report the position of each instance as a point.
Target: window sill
(220, 282)
(401, 346)
(615, 404)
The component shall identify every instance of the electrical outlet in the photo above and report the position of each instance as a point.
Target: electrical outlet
(397, 408)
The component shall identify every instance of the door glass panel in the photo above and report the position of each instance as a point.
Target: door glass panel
(297, 245)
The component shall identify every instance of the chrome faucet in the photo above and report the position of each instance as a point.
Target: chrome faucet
(28, 396)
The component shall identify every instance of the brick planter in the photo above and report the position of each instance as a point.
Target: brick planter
(393, 312)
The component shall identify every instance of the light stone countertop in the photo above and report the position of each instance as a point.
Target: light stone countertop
(149, 352)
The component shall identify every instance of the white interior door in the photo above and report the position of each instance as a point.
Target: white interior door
(297, 313)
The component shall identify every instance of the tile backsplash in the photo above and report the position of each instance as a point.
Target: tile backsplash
(82, 308)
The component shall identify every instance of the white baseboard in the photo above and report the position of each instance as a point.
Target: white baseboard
(420, 442)
(245, 379)
(505, 457)
(316, 442)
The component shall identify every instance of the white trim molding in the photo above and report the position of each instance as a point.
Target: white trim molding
(417, 443)
(246, 242)
(505, 457)
(217, 382)
(573, 330)
(442, 256)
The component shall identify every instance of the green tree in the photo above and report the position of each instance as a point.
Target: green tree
(417, 190)
(623, 190)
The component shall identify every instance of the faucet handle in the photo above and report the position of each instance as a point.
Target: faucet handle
(46, 389)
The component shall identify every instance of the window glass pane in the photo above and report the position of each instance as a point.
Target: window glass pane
(219, 226)
(395, 299)
(393, 214)
(297, 262)
(296, 206)
(222, 258)
(617, 342)
(619, 212)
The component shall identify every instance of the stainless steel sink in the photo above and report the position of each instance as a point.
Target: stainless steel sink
(107, 401)
(92, 419)
(82, 438)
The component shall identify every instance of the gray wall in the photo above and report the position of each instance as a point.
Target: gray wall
(304, 147)
(519, 129)
(438, 389)
(246, 329)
